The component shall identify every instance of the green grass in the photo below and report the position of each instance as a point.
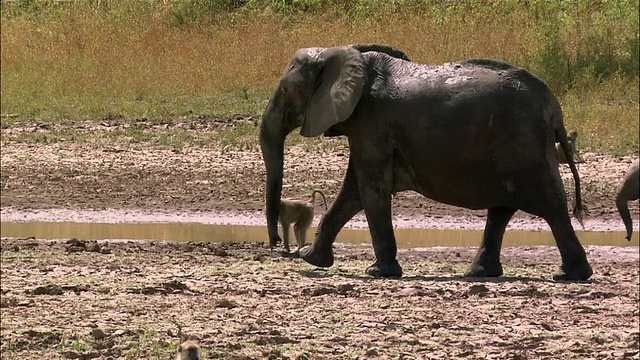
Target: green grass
(77, 60)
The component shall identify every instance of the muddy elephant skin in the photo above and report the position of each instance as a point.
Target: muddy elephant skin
(478, 134)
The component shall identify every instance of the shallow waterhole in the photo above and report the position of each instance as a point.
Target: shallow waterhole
(406, 238)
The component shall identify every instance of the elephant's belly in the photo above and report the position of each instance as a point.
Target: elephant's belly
(474, 184)
(465, 195)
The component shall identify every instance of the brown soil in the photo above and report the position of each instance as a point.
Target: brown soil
(83, 300)
(127, 175)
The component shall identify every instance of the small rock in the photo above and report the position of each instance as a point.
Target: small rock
(411, 291)
(274, 354)
(279, 340)
(226, 303)
(477, 289)
(261, 341)
(98, 334)
(48, 290)
(220, 252)
(372, 352)
(175, 285)
(258, 257)
(93, 247)
(119, 332)
(93, 354)
(546, 327)
(71, 355)
(345, 287)
(320, 290)
(75, 242)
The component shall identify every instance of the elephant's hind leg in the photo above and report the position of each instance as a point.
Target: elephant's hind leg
(346, 205)
(487, 260)
(574, 259)
(550, 203)
(378, 211)
(375, 180)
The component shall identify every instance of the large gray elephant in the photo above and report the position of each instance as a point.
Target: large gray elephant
(629, 190)
(478, 134)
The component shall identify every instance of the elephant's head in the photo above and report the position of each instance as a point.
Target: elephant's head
(318, 89)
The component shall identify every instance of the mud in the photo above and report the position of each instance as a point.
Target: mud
(119, 179)
(137, 300)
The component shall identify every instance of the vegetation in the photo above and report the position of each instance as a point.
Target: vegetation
(64, 60)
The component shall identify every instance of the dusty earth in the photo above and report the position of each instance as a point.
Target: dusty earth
(79, 300)
(220, 180)
(82, 300)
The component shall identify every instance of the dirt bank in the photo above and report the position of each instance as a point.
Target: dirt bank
(126, 176)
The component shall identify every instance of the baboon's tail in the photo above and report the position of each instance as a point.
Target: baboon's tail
(313, 198)
(561, 137)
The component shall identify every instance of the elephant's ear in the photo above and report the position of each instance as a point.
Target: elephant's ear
(338, 91)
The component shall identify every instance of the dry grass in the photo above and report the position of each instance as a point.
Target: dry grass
(85, 60)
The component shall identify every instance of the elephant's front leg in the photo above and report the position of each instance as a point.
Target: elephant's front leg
(346, 205)
(375, 181)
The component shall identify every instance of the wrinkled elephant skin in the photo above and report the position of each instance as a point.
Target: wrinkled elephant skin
(478, 134)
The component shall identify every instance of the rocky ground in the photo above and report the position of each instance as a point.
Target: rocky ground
(80, 300)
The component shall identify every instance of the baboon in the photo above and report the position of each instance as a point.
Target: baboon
(300, 214)
(571, 137)
(188, 350)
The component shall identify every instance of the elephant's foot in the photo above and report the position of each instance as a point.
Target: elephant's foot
(575, 272)
(274, 241)
(391, 269)
(488, 269)
(321, 257)
(289, 254)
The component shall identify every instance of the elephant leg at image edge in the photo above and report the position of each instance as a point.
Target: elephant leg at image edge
(487, 260)
(346, 206)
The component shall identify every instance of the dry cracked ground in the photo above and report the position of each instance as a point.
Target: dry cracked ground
(82, 300)
(77, 299)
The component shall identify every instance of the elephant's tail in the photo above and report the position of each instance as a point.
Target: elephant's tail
(578, 208)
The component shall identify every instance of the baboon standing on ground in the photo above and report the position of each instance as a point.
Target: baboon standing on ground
(571, 137)
(300, 214)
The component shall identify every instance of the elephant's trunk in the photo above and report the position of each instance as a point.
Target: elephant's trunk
(623, 209)
(272, 137)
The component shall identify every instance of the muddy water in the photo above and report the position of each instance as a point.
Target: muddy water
(407, 238)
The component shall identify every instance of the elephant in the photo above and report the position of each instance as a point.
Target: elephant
(628, 190)
(478, 134)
